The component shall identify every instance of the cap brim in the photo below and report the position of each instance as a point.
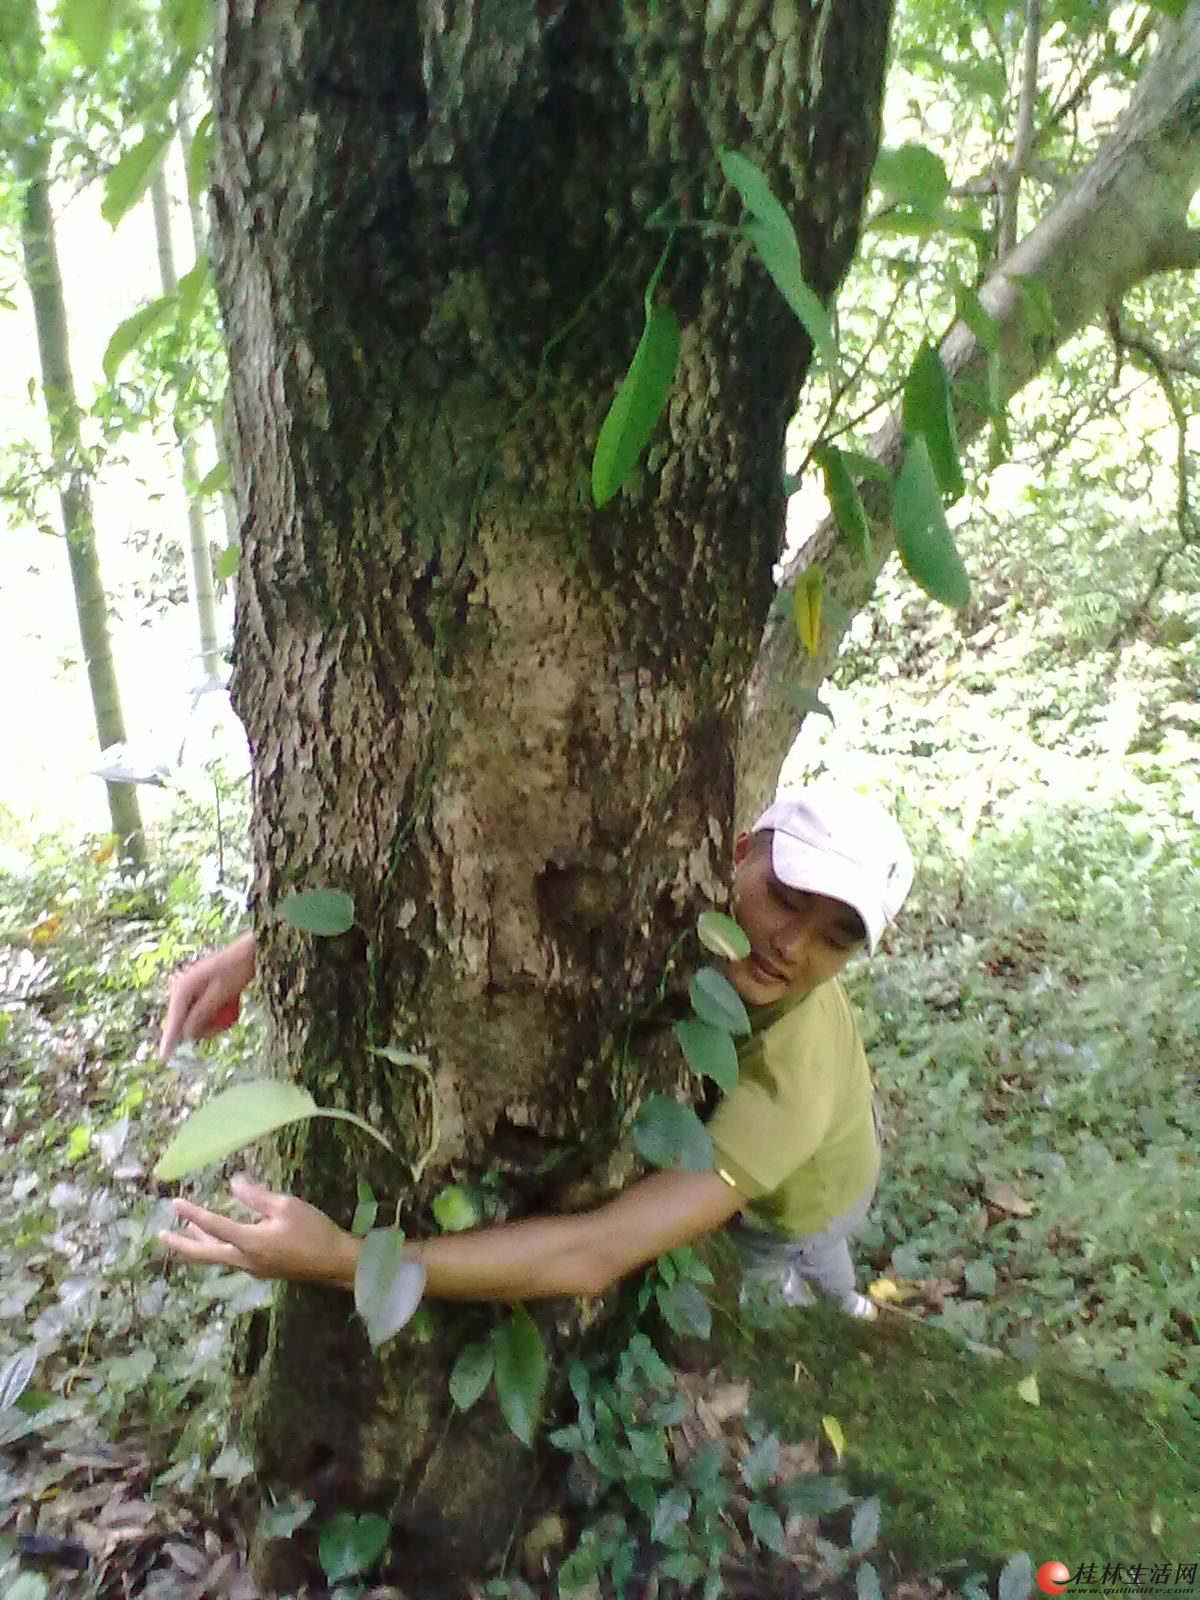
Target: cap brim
(802, 866)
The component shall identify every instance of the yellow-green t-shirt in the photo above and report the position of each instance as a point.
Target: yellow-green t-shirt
(796, 1135)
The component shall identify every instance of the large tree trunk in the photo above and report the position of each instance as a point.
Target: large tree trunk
(1124, 219)
(502, 720)
(58, 386)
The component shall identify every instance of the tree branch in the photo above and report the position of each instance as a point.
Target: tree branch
(1023, 142)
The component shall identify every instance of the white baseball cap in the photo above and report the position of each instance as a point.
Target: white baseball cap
(831, 840)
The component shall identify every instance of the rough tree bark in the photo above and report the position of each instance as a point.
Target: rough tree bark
(503, 721)
(1123, 220)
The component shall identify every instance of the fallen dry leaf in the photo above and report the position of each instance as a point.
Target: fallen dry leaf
(1005, 1198)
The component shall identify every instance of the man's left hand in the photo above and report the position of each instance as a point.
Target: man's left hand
(290, 1239)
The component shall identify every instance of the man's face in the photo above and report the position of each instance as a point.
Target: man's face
(797, 940)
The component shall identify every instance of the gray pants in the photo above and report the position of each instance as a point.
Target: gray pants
(787, 1263)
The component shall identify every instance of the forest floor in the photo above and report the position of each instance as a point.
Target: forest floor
(904, 1456)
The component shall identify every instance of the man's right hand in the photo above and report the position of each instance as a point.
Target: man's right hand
(203, 998)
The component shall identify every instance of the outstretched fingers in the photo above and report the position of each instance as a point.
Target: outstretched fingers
(202, 1249)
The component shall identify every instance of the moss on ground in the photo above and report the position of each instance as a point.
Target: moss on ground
(967, 1469)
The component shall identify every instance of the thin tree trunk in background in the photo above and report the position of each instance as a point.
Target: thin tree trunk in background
(58, 385)
(183, 109)
(199, 558)
(1124, 219)
(502, 720)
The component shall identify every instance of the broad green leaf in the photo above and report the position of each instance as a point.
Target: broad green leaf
(980, 1277)
(324, 912)
(845, 501)
(667, 1134)
(774, 238)
(685, 1308)
(188, 22)
(350, 1545)
(757, 195)
(922, 534)
(709, 1051)
(388, 1285)
(90, 24)
(780, 254)
(230, 1121)
(806, 607)
(864, 466)
(808, 701)
(637, 404)
(128, 180)
(864, 1528)
(454, 1210)
(866, 1582)
(1171, 8)
(971, 310)
(471, 1374)
(672, 1511)
(761, 1464)
(1016, 1578)
(814, 1495)
(191, 289)
(929, 410)
(129, 334)
(200, 158)
(1028, 1390)
(912, 176)
(365, 1212)
(1040, 315)
(717, 1002)
(281, 1520)
(722, 936)
(226, 563)
(215, 480)
(520, 1372)
(238, 1116)
(766, 1527)
(15, 1375)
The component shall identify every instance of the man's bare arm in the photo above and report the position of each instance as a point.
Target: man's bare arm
(530, 1259)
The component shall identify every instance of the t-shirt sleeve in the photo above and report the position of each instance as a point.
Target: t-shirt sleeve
(772, 1121)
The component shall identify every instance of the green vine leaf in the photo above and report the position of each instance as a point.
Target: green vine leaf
(929, 410)
(685, 1309)
(520, 1372)
(667, 1134)
(845, 501)
(717, 1002)
(239, 1116)
(471, 1374)
(128, 180)
(637, 404)
(722, 936)
(710, 1052)
(912, 175)
(923, 535)
(388, 1285)
(774, 239)
(90, 24)
(324, 912)
(349, 1545)
(200, 158)
(127, 335)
